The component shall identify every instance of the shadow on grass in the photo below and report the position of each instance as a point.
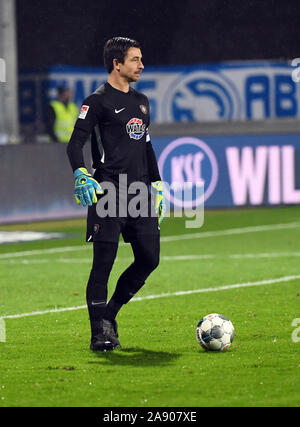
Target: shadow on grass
(136, 357)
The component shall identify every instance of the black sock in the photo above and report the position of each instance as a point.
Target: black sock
(96, 291)
(97, 309)
(112, 309)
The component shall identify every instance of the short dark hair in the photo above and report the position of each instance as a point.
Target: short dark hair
(116, 48)
(62, 89)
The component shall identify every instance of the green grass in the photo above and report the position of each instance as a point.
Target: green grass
(46, 360)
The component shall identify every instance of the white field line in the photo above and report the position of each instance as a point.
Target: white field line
(165, 295)
(162, 258)
(232, 231)
(149, 297)
(165, 239)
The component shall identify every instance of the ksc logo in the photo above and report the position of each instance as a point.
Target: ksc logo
(188, 163)
(201, 96)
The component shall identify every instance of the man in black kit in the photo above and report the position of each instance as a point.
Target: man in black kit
(120, 116)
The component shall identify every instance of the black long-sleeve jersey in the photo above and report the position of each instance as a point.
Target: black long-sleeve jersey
(122, 120)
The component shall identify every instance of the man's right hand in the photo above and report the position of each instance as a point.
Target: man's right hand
(86, 188)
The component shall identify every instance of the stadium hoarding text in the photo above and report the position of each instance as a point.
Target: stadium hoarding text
(198, 93)
(237, 170)
(224, 171)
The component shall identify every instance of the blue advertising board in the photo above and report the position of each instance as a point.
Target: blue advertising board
(221, 171)
(197, 93)
(237, 170)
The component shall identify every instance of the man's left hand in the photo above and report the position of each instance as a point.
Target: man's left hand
(160, 202)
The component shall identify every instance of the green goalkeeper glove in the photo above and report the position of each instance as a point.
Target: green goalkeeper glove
(86, 188)
(160, 202)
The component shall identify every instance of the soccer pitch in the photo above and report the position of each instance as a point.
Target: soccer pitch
(243, 264)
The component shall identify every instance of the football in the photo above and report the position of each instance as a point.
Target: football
(215, 332)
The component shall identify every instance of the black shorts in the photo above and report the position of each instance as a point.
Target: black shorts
(108, 229)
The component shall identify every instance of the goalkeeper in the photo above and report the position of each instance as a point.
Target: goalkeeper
(119, 116)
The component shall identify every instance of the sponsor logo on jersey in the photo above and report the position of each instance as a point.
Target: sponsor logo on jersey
(136, 128)
(83, 112)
